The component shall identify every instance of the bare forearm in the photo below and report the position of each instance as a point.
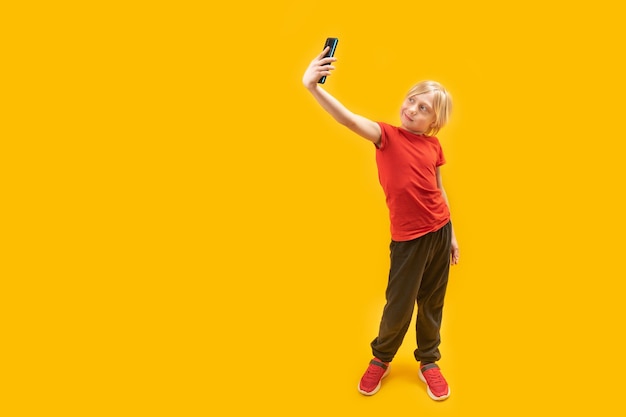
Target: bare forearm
(329, 103)
(445, 198)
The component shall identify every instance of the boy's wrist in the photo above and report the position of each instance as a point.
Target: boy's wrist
(312, 87)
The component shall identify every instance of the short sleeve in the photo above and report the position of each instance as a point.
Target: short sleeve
(384, 135)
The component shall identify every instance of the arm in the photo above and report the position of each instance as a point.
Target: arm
(358, 124)
(454, 246)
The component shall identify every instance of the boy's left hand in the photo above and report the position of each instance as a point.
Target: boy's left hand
(454, 252)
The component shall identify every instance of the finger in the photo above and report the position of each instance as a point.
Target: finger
(323, 53)
(327, 61)
(324, 71)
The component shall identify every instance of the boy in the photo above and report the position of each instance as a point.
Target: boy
(423, 243)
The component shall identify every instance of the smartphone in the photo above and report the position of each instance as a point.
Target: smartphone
(332, 42)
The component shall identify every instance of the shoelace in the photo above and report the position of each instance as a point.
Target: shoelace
(434, 378)
(374, 372)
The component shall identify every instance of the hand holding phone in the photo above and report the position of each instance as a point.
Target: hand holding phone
(332, 43)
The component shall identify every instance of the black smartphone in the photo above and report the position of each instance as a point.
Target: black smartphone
(332, 42)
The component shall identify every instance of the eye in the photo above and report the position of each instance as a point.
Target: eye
(411, 100)
(423, 108)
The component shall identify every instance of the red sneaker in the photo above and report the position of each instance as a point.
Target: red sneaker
(371, 380)
(436, 384)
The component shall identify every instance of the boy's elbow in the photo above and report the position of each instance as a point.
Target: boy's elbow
(348, 122)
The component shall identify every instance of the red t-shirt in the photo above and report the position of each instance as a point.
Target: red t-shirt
(407, 170)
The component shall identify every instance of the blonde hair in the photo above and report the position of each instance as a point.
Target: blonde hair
(442, 103)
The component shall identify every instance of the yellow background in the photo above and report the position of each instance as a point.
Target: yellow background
(186, 232)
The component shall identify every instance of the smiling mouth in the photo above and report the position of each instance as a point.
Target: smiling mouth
(407, 117)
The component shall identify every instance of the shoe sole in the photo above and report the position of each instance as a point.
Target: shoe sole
(375, 390)
(430, 394)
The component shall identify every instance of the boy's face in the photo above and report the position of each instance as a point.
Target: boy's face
(417, 114)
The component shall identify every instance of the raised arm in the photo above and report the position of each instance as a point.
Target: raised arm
(358, 124)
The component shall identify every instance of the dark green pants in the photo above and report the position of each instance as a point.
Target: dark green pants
(418, 273)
